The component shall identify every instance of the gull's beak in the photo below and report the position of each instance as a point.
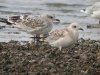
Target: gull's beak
(83, 10)
(56, 21)
(81, 29)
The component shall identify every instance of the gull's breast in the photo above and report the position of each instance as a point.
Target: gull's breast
(63, 41)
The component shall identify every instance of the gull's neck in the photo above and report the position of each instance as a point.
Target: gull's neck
(73, 33)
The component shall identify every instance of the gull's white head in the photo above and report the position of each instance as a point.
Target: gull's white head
(87, 11)
(96, 14)
(83, 10)
(74, 26)
(50, 18)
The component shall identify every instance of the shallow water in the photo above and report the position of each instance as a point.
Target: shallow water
(67, 11)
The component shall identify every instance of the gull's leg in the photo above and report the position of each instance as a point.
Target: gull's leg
(34, 38)
(37, 39)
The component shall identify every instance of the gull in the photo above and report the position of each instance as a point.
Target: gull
(93, 11)
(96, 14)
(38, 24)
(64, 37)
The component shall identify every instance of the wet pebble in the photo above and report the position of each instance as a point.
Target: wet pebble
(79, 59)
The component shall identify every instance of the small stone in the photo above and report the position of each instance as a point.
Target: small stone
(61, 65)
(32, 61)
(96, 64)
(83, 56)
(76, 56)
(3, 52)
(28, 54)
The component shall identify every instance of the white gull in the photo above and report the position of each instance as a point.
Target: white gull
(93, 11)
(64, 37)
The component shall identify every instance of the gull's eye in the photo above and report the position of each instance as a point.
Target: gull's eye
(84, 10)
(50, 17)
(74, 26)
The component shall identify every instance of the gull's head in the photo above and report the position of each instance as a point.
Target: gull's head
(96, 14)
(87, 11)
(75, 27)
(50, 18)
(83, 10)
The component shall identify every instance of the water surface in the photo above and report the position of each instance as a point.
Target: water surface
(67, 11)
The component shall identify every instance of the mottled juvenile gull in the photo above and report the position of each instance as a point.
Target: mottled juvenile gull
(38, 24)
(93, 11)
(64, 37)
